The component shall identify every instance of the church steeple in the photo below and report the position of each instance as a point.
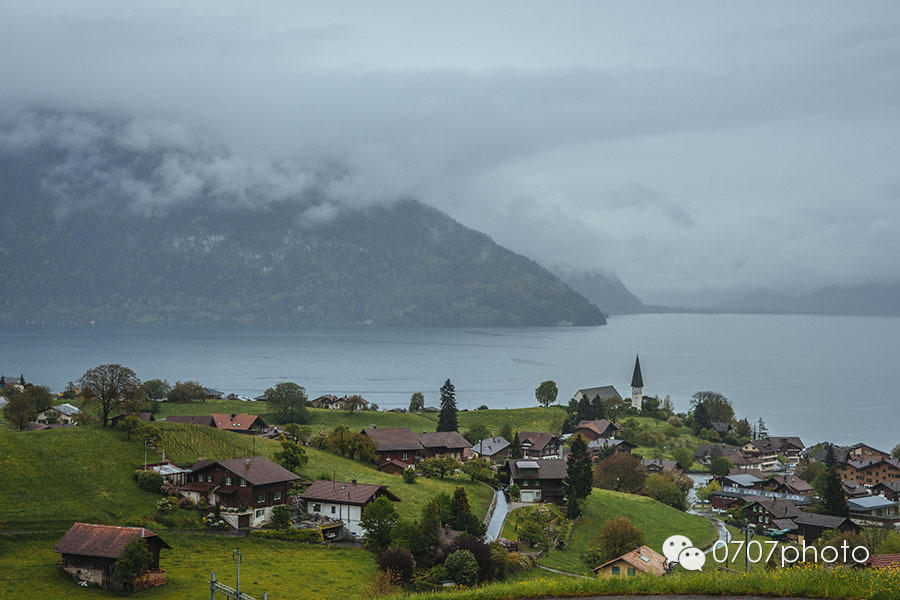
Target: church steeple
(637, 384)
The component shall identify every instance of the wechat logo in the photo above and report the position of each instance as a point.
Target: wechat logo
(679, 549)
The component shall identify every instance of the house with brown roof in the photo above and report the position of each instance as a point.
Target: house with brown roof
(812, 525)
(884, 561)
(644, 559)
(444, 442)
(656, 465)
(60, 414)
(248, 487)
(538, 480)
(870, 471)
(764, 511)
(397, 447)
(888, 489)
(604, 392)
(239, 423)
(764, 453)
(596, 428)
(790, 484)
(343, 501)
(538, 444)
(202, 420)
(493, 448)
(89, 553)
(706, 453)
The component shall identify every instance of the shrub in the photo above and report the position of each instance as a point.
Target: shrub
(398, 559)
(481, 552)
(165, 505)
(462, 568)
(409, 475)
(133, 561)
(386, 583)
(617, 536)
(149, 481)
(662, 487)
(514, 492)
(281, 516)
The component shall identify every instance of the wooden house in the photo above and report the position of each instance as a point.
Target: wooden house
(643, 560)
(539, 444)
(888, 489)
(59, 414)
(343, 501)
(89, 553)
(493, 448)
(763, 512)
(596, 428)
(397, 447)
(812, 525)
(870, 471)
(256, 484)
(538, 480)
(875, 511)
(444, 442)
(239, 423)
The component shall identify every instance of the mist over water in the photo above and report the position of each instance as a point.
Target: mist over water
(816, 377)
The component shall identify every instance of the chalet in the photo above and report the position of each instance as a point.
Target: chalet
(852, 489)
(203, 420)
(238, 483)
(61, 413)
(764, 511)
(211, 394)
(538, 444)
(791, 484)
(706, 453)
(811, 525)
(89, 553)
(844, 454)
(603, 446)
(325, 401)
(397, 447)
(731, 496)
(641, 560)
(538, 480)
(444, 442)
(657, 465)
(874, 511)
(789, 447)
(743, 480)
(604, 392)
(722, 429)
(239, 423)
(343, 501)
(870, 471)
(764, 453)
(888, 489)
(493, 448)
(344, 402)
(594, 429)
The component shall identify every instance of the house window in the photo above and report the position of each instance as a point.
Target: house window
(209, 478)
(260, 513)
(333, 509)
(276, 496)
(260, 498)
(243, 482)
(228, 481)
(317, 508)
(631, 571)
(615, 570)
(405, 456)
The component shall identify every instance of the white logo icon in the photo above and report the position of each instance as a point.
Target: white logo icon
(673, 546)
(692, 559)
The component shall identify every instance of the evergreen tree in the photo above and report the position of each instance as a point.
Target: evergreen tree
(515, 447)
(578, 469)
(597, 409)
(416, 402)
(833, 500)
(447, 420)
(701, 417)
(761, 430)
(506, 432)
(584, 411)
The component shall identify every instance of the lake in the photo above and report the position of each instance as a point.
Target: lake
(818, 377)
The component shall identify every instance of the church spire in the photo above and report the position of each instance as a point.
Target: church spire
(637, 380)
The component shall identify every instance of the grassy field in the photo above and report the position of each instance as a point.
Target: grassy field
(841, 584)
(656, 520)
(186, 443)
(283, 569)
(52, 478)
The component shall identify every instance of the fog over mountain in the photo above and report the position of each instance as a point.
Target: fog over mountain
(682, 147)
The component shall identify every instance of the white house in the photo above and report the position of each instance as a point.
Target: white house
(61, 413)
(343, 501)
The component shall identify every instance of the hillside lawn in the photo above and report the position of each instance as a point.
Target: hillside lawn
(51, 478)
(283, 569)
(655, 519)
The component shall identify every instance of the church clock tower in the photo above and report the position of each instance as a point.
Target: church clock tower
(637, 384)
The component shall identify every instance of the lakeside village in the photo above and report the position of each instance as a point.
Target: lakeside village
(420, 501)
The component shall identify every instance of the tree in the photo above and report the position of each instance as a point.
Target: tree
(477, 433)
(378, 519)
(292, 456)
(481, 552)
(718, 407)
(546, 393)
(621, 472)
(684, 457)
(129, 424)
(618, 536)
(808, 470)
(662, 487)
(478, 470)
(25, 404)
(155, 389)
(895, 452)
(133, 561)
(515, 447)
(281, 516)
(459, 503)
(506, 432)
(704, 491)
(578, 469)
(761, 429)
(833, 501)
(462, 568)
(447, 420)
(186, 391)
(416, 402)
(439, 465)
(346, 442)
(288, 401)
(110, 386)
(720, 466)
(397, 559)
(533, 532)
(742, 429)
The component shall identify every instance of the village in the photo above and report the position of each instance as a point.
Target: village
(437, 497)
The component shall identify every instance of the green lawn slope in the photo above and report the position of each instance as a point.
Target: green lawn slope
(51, 478)
(655, 519)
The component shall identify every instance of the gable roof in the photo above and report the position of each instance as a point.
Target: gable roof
(637, 380)
(65, 409)
(538, 440)
(744, 479)
(893, 485)
(393, 438)
(662, 463)
(553, 468)
(342, 492)
(644, 559)
(442, 439)
(605, 392)
(204, 420)
(237, 422)
(598, 426)
(817, 520)
(490, 446)
(884, 561)
(778, 507)
(105, 541)
(257, 470)
(793, 482)
(869, 503)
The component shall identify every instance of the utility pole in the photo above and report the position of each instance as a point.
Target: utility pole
(747, 548)
(236, 553)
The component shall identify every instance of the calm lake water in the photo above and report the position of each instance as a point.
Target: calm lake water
(814, 376)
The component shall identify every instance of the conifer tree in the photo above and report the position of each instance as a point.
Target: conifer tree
(515, 447)
(447, 420)
(833, 499)
(578, 469)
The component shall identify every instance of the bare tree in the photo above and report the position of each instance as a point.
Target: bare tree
(111, 386)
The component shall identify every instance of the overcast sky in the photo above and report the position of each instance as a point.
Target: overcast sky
(683, 146)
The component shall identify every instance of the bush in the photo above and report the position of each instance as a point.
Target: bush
(462, 568)
(514, 493)
(149, 481)
(617, 536)
(292, 534)
(409, 475)
(165, 505)
(281, 516)
(398, 559)
(481, 552)
(662, 487)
